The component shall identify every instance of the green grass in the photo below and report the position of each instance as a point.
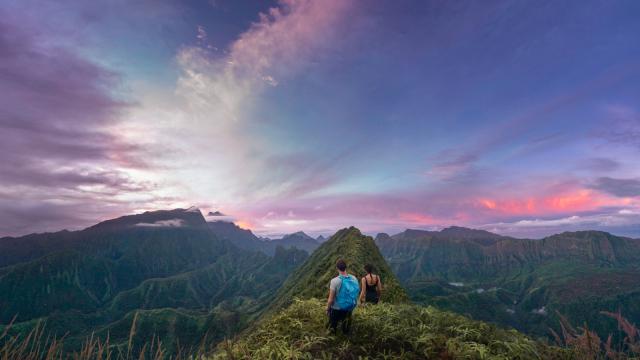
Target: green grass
(384, 331)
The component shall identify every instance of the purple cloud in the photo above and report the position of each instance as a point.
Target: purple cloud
(618, 187)
(57, 148)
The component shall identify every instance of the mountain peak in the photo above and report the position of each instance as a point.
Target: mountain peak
(301, 234)
(191, 217)
(312, 278)
(465, 232)
(215, 213)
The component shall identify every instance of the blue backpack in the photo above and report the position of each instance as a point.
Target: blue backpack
(348, 294)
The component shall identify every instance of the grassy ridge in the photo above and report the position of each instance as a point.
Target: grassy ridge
(311, 279)
(384, 331)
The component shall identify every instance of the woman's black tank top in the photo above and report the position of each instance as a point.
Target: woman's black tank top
(371, 295)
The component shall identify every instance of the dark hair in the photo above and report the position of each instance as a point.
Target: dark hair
(341, 265)
(368, 268)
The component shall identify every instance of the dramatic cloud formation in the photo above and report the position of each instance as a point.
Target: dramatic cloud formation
(57, 153)
(313, 115)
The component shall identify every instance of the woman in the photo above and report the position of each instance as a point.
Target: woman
(371, 287)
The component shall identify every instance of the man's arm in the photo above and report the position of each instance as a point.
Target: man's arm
(331, 299)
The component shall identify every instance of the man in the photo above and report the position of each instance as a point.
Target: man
(343, 295)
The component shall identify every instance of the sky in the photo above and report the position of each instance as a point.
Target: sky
(517, 117)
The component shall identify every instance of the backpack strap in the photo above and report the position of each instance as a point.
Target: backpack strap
(339, 285)
(372, 278)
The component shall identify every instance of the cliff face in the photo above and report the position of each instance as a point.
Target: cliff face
(465, 253)
(519, 282)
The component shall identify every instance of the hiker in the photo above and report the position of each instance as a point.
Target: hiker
(343, 298)
(371, 287)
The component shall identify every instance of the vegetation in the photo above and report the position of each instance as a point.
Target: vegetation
(128, 293)
(520, 283)
(384, 331)
(586, 344)
(37, 345)
(181, 283)
(394, 329)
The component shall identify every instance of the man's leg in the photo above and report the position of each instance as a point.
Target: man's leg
(333, 320)
(346, 323)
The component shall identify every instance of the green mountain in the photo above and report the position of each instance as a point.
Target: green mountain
(520, 282)
(166, 266)
(311, 279)
(298, 240)
(295, 328)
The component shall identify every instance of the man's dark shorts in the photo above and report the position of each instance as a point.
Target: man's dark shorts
(336, 316)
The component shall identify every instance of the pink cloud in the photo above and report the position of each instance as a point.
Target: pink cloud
(570, 201)
(288, 36)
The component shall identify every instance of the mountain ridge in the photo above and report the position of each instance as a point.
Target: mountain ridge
(294, 325)
(167, 271)
(311, 279)
(521, 283)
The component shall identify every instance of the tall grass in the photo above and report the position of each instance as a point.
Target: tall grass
(383, 331)
(587, 345)
(36, 345)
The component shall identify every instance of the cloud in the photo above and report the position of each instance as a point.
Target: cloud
(57, 145)
(223, 144)
(70, 140)
(618, 187)
(618, 221)
(600, 164)
(163, 223)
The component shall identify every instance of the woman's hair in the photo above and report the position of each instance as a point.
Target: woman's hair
(368, 268)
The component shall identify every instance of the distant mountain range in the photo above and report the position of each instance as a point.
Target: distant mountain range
(245, 239)
(182, 277)
(520, 282)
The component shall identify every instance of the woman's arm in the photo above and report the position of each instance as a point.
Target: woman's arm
(379, 287)
(363, 287)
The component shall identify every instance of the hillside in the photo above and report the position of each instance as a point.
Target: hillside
(166, 266)
(391, 330)
(520, 282)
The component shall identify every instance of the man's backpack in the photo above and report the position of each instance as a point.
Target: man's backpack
(348, 294)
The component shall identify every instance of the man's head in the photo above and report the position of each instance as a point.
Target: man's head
(341, 265)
